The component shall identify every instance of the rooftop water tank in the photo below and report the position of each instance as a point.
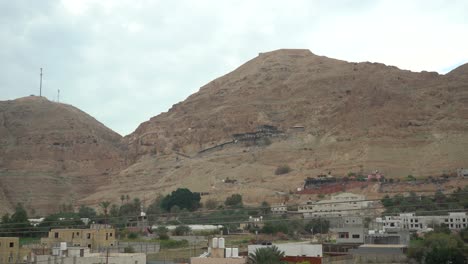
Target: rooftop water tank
(228, 253)
(235, 252)
(63, 245)
(221, 242)
(215, 242)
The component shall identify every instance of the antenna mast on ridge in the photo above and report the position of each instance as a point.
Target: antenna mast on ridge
(58, 96)
(40, 84)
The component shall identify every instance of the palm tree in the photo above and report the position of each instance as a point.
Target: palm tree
(122, 198)
(266, 255)
(105, 205)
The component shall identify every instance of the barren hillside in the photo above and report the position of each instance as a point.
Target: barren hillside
(52, 153)
(336, 116)
(323, 115)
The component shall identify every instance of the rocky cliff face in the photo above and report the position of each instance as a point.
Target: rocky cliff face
(352, 117)
(334, 100)
(52, 153)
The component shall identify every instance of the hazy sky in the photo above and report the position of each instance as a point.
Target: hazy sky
(126, 61)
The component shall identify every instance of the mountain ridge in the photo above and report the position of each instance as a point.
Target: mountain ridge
(351, 116)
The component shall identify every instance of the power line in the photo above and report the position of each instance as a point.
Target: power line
(219, 219)
(249, 208)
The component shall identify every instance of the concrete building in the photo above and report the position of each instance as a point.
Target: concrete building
(279, 209)
(350, 235)
(294, 249)
(380, 254)
(343, 204)
(390, 237)
(219, 254)
(413, 222)
(93, 258)
(97, 237)
(10, 251)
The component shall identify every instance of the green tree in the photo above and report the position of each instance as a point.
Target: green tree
(265, 208)
(87, 212)
(122, 199)
(438, 248)
(266, 255)
(154, 209)
(131, 209)
(317, 226)
(105, 207)
(114, 211)
(234, 200)
(183, 198)
(275, 227)
(162, 231)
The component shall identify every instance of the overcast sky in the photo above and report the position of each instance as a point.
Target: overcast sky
(126, 61)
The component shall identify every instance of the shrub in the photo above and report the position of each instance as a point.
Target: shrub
(164, 236)
(283, 169)
(173, 243)
(182, 230)
(132, 235)
(234, 200)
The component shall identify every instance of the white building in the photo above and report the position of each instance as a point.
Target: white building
(279, 209)
(294, 249)
(82, 255)
(339, 205)
(413, 222)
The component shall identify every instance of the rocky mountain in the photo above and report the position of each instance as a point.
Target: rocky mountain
(53, 153)
(336, 116)
(327, 116)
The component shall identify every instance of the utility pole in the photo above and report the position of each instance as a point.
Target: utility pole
(40, 84)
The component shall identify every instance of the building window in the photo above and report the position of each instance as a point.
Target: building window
(344, 235)
(88, 236)
(77, 233)
(12, 244)
(110, 234)
(356, 236)
(451, 219)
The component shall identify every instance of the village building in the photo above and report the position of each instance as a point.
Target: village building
(413, 222)
(281, 208)
(344, 204)
(218, 253)
(11, 252)
(64, 254)
(97, 237)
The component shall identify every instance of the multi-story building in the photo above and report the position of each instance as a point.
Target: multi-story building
(339, 205)
(279, 209)
(413, 222)
(10, 251)
(97, 237)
